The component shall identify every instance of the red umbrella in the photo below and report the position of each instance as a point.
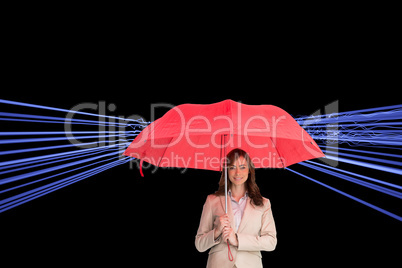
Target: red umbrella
(199, 135)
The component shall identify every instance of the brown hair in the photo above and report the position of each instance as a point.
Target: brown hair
(251, 185)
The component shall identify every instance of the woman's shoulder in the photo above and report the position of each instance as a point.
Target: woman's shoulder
(266, 203)
(212, 198)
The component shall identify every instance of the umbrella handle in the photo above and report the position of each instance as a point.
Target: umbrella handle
(229, 251)
(142, 174)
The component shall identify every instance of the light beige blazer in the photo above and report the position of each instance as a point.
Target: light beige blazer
(256, 232)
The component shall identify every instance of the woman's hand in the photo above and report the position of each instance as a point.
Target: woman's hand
(229, 234)
(222, 223)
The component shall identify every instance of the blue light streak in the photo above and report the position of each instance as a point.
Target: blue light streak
(48, 159)
(57, 109)
(357, 175)
(27, 196)
(354, 180)
(363, 151)
(373, 159)
(44, 148)
(52, 176)
(365, 164)
(370, 139)
(399, 218)
(367, 127)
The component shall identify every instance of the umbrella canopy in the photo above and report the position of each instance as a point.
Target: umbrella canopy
(197, 135)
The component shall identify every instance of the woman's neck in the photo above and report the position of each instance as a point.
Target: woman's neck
(238, 191)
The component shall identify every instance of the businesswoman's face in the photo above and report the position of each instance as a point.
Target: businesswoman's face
(238, 171)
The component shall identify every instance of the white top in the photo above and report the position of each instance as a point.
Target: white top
(238, 208)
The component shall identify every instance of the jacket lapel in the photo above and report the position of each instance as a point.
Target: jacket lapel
(246, 215)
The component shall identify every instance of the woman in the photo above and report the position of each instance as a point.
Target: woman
(248, 226)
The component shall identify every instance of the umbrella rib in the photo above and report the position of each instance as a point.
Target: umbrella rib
(160, 159)
(277, 151)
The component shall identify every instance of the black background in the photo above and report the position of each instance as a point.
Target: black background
(117, 217)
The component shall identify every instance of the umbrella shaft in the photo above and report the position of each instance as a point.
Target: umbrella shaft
(226, 189)
(226, 174)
